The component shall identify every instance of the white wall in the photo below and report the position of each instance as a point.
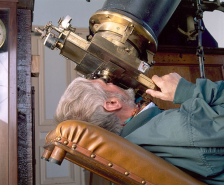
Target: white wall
(214, 22)
(52, 10)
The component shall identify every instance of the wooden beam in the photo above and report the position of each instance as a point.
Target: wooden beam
(7, 1)
(26, 4)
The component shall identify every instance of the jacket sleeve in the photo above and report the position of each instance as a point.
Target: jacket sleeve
(211, 92)
(204, 106)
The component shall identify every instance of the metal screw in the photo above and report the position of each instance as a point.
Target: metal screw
(90, 37)
(126, 173)
(93, 155)
(110, 164)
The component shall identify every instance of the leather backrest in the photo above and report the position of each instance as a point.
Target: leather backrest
(136, 161)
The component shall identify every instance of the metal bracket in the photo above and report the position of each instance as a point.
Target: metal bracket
(127, 32)
(150, 56)
(65, 24)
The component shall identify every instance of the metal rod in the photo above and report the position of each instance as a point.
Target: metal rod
(201, 66)
(200, 51)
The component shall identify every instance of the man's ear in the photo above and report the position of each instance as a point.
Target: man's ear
(112, 104)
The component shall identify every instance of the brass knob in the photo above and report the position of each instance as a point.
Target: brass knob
(93, 155)
(126, 173)
(110, 164)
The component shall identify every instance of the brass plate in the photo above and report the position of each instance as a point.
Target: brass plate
(108, 16)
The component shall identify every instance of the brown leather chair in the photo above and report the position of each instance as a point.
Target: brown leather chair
(110, 156)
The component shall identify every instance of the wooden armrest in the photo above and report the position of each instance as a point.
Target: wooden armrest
(110, 156)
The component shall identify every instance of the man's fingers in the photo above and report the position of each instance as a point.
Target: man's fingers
(155, 94)
(157, 80)
(168, 84)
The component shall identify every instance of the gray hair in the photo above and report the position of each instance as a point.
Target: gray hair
(84, 100)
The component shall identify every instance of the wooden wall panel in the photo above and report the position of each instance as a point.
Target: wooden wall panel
(12, 147)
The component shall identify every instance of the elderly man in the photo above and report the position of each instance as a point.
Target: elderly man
(190, 137)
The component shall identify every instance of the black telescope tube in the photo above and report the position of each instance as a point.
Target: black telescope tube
(153, 15)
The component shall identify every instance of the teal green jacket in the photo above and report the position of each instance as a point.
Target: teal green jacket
(190, 137)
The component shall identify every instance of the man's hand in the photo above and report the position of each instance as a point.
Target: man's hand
(167, 84)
